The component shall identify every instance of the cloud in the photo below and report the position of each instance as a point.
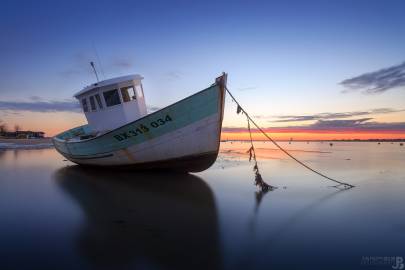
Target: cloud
(8, 112)
(339, 124)
(174, 75)
(378, 81)
(354, 125)
(153, 108)
(40, 106)
(80, 64)
(247, 88)
(296, 118)
(327, 115)
(35, 98)
(122, 63)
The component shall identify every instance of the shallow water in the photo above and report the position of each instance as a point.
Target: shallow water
(55, 215)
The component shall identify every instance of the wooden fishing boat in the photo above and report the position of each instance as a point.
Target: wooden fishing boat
(184, 136)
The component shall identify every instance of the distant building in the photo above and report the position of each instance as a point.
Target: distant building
(22, 134)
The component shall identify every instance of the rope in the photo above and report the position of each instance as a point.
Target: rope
(240, 109)
(258, 177)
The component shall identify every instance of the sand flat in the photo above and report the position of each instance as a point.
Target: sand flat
(217, 219)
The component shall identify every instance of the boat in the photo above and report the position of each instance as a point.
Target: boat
(184, 136)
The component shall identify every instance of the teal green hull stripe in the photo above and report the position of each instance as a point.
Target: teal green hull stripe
(173, 117)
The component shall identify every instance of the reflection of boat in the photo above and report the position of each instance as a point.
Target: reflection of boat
(183, 136)
(167, 223)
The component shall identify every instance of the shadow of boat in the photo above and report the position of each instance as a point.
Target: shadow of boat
(147, 220)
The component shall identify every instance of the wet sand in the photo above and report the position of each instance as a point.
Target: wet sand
(56, 215)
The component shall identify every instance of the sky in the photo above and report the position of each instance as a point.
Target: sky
(303, 69)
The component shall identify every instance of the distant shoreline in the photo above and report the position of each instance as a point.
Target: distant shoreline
(25, 143)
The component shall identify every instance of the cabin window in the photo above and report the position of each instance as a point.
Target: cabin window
(98, 98)
(92, 103)
(139, 91)
(128, 93)
(112, 98)
(84, 103)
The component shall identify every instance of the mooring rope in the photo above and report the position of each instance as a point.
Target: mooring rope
(252, 155)
(240, 109)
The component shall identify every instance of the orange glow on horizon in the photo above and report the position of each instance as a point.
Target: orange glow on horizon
(54, 123)
(50, 123)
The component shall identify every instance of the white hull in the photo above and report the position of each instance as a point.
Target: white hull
(197, 138)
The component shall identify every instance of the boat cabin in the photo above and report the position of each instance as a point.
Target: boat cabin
(112, 103)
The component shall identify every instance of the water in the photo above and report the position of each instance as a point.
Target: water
(55, 215)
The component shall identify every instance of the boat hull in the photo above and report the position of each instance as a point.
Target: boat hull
(184, 136)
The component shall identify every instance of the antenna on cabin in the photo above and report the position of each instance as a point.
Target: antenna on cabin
(98, 59)
(94, 69)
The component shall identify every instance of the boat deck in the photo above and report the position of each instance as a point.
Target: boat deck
(78, 134)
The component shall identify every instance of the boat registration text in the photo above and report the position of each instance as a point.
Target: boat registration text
(143, 128)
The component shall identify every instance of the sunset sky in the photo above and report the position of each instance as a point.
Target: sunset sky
(303, 69)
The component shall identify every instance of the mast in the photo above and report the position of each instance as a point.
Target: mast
(94, 69)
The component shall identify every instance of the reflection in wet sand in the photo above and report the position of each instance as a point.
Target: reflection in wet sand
(144, 220)
(240, 150)
(268, 241)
